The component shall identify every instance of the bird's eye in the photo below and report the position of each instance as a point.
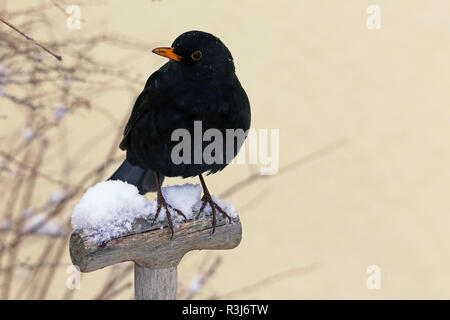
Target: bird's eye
(197, 55)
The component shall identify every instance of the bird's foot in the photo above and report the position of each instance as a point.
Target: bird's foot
(207, 199)
(103, 244)
(163, 203)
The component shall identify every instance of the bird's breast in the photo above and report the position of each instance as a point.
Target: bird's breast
(191, 109)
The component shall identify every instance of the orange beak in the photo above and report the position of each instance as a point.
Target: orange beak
(168, 53)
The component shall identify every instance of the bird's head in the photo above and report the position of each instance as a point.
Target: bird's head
(201, 53)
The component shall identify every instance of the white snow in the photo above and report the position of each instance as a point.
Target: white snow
(4, 79)
(182, 197)
(27, 213)
(60, 111)
(57, 197)
(39, 224)
(196, 284)
(6, 225)
(109, 208)
(27, 134)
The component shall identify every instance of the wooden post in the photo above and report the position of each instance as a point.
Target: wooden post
(156, 256)
(155, 284)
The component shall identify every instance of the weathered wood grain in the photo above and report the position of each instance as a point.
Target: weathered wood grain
(151, 246)
(155, 284)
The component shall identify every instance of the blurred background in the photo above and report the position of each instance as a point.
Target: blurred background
(363, 116)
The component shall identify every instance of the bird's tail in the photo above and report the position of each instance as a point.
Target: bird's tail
(144, 180)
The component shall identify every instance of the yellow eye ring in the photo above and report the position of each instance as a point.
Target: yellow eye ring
(197, 55)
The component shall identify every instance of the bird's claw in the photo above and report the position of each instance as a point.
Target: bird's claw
(162, 203)
(207, 199)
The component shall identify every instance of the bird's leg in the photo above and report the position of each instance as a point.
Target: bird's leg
(163, 203)
(207, 199)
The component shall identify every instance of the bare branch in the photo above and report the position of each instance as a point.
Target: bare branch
(28, 37)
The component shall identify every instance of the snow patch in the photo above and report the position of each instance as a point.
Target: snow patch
(40, 224)
(28, 134)
(181, 197)
(60, 111)
(108, 209)
(196, 284)
(6, 225)
(58, 197)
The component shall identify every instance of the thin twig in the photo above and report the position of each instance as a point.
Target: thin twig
(28, 37)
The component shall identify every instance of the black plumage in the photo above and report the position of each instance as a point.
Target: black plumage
(197, 84)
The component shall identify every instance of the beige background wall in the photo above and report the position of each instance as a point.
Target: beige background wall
(315, 71)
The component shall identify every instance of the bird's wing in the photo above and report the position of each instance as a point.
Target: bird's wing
(140, 107)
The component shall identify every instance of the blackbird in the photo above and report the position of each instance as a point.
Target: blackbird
(198, 83)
